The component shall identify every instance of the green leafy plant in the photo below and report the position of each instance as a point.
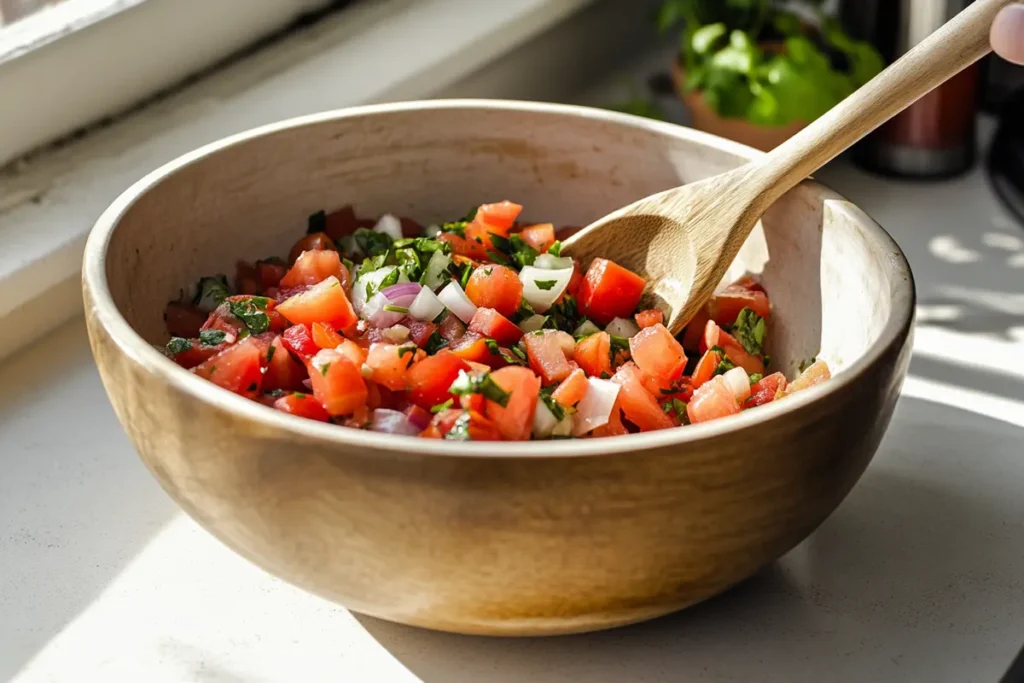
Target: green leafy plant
(759, 61)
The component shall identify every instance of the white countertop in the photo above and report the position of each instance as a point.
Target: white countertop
(919, 575)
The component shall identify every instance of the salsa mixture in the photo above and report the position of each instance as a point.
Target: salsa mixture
(478, 329)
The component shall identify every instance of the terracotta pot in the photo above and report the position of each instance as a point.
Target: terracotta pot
(764, 138)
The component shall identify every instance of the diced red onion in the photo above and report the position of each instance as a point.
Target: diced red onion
(457, 302)
(308, 383)
(555, 280)
(392, 422)
(418, 416)
(622, 327)
(739, 383)
(596, 406)
(390, 226)
(400, 295)
(400, 291)
(426, 305)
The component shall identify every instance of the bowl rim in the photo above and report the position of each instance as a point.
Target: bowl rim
(132, 345)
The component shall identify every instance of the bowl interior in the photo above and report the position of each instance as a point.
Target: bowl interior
(827, 267)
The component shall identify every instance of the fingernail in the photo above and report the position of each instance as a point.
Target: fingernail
(1008, 34)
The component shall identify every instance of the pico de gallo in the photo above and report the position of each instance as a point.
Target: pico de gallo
(476, 329)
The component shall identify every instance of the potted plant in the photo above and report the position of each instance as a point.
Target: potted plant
(757, 71)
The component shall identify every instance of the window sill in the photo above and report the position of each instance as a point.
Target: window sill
(48, 204)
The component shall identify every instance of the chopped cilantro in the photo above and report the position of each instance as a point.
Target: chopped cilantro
(252, 312)
(675, 407)
(464, 278)
(435, 343)
(460, 430)
(554, 406)
(804, 364)
(521, 252)
(455, 227)
(756, 377)
(253, 387)
(409, 263)
(391, 308)
(270, 353)
(390, 279)
(749, 331)
(471, 214)
(724, 365)
(605, 375)
(178, 345)
(545, 284)
(618, 344)
(211, 337)
(411, 350)
(324, 368)
(498, 258)
(555, 249)
(492, 346)
(466, 384)
(441, 407)
(211, 291)
(299, 395)
(564, 315)
(501, 243)
(518, 352)
(371, 242)
(317, 222)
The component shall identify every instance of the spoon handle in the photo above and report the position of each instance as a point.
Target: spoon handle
(952, 48)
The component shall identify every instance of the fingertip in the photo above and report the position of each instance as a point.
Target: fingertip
(1008, 34)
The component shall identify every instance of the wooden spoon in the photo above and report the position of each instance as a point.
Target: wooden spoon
(684, 239)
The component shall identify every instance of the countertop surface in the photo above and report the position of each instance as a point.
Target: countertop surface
(918, 576)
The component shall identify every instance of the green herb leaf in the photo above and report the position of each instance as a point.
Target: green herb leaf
(460, 430)
(211, 337)
(371, 242)
(466, 384)
(545, 284)
(252, 312)
(555, 249)
(441, 407)
(211, 292)
(749, 330)
(178, 345)
(324, 368)
(755, 378)
(554, 406)
(270, 353)
(391, 308)
(724, 365)
(435, 343)
(492, 346)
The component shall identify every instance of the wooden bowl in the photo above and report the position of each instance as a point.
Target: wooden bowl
(485, 538)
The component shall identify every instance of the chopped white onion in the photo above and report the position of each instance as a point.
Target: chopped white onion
(437, 266)
(739, 383)
(586, 329)
(457, 302)
(426, 305)
(544, 421)
(323, 357)
(563, 428)
(390, 226)
(532, 324)
(549, 262)
(432, 231)
(596, 406)
(372, 278)
(622, 327)
(553, 283)
(396, 334)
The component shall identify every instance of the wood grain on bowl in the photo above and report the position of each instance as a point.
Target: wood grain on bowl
(509, 538)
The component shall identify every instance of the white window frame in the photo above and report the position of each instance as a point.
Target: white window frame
(76, 62)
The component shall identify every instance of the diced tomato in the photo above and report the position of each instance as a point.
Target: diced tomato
(657, 353)
(712, 400)
(725, 306)
(354, 352)
(247, 280)
(302, 405)
(313, 267)
(473, 402)
(468, 248)
(609, 291)
(451, 328)
(314, 242)
(325, 302)
(496, 287)
(816, 373)
(282, 371)
(299, 340)
(325, 337)
(663, 390)
(765, 390)
(693, 335)
(270, 273)
(594, 355)
(221, 318)
(419, 331)
(429, 379)
(490, 323)
(431, 432)
(540, 236)
(650, 318)
(183, 320)
(544, 351)
(337, 383)
(340, 223)
(639, 406)
(571, 390)
(390, 364)
(515, 419)
(473, 346)
(478, 427)
(197, 352)
(573, 288)
(614, 426)
(748, 282)
(705, 369)
(499, 215)
(237, 368)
